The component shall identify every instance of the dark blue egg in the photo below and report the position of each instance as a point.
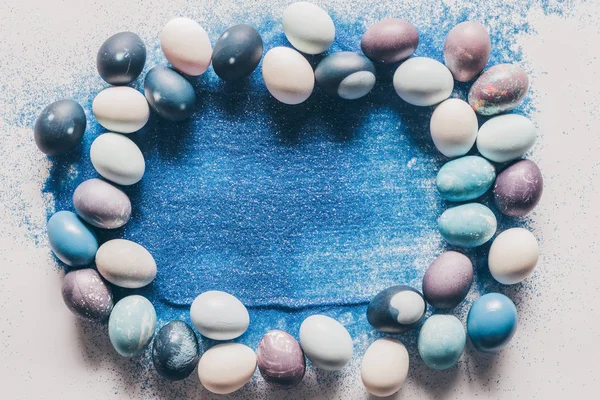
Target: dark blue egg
(396, 309)
(169, 94)
(175, 351)
(121, 58)
(492, 322)
(59, 127)
(347, 75)
(237, 52)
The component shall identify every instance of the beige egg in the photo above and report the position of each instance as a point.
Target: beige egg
(186, 45)
(121, 109)
(384, 367)
(453, 127)
(308, 27)
(226, 367)
(513, 256)
(288, 75)
(125, 263)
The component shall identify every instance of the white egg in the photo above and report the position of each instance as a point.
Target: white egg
(506, 137)
(423, 81)
(121, 109)
(186, 45)
(453, 127)
(384, 367)
(288, 75)
(308, 27)
(513, 256)
(226, 367)
(125, 263)
(117, 159)
(326, 342)
(219, 315)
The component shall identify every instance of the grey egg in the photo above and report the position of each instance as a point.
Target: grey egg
(59, 127)
(347, 75)
(87, 295)
(101, 204)
(175, 351)
(518, 189)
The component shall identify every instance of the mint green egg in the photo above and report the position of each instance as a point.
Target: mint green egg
(131, 325)
(442, 341)
(465, 178)
(469, 225)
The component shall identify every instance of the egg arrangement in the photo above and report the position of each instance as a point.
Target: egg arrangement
(288, 76)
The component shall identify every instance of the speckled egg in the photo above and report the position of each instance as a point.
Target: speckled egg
(219, 315)
(169, 94)
(87, 295)
(448, 280)
(117, 158)
(396, 309)
(280, 359)
(518, 189)
(237, 52)
(513, 256)
(186, 46)
(71, 240)
(101, 204)
(131, 325)
(308, 27)
(453, 127)
(423, 81)
(288, 75)
(121, 109)
(506, 137)
(125, 263)
(59, 127)
(121, 58)
(175, 351)
(226, 367)
(347, 75)
(326, 343)
(384, 367)
(469, 225)
(500, 88)
(465, 178)
(492, 322)
(390, 40)
(467, 50)
(442, 341)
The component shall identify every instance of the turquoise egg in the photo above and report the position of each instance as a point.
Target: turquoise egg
(131, 325)
(492, 322)
(441, 341)
(71, 240)
(469, 225)
(465, 178)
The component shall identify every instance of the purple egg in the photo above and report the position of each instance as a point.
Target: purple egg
(448, 280)
(101, 204)
(390, 41)
(466, 50)
(87, 295)
(500, 88)
(280, 359)
(518, 189)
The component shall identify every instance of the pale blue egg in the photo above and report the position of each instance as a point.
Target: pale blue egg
(441, 341)
(465, 178)
(131, 325)
(469, 225)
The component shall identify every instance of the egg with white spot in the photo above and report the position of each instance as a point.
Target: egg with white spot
(237, 52)
(396, 309)
(346, 74)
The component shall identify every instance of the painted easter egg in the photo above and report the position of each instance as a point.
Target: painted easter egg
(390, 40)
(492, 322)
(518, 189)
(513, 256)
(226, 367)
(500, 88)
(287, 75)
(117, 159)
(423, 81)
(326, 342)
(308, 27)
(121, 109)
(506, 137)
(396, 309)
(384, 367)
(169, 94)
(59, 127)
(219, 315)
(469, 225)
(131, 325)
(101, 204)
(121, 58)
(466, 50)
(453, 127)
(175, 351)
(280, 359)
(448, 280)
(87, 295)
(237, 52)
(125, 263)
(442, 341)
(71, 240)
(186, 46)
(465, 178)
(347, 75)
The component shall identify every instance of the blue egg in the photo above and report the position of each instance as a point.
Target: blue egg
(347, 75)
(469, 225)
(59, 127)
(396, 309)
(175, 351)
(131, 325)
(441, 341)
(169, 94)
(492, 322)
(465, 178)
(71, 240)
(237, 52)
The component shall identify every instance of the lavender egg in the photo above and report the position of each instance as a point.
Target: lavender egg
(87, 295)
(518, 189)
(390, 41)
(467, 50)
(101, 204)
(500, 88)
(280, 359)
(448, 280)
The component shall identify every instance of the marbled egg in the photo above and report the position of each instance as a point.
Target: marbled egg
(308, 27)
(518, 189)
(87, 295)
(186, 46)
(423, 81)
(465, 178)
(219, 315)
(384, 367)
(492, 322)
(513, 256)
(175, 351)
(326, 342)
(288, 75)
(347, 75)
(469, 225)
(121, 58)
(169, 94)
(506, 137)
(467, 50)
(500, 88)
(442, 341)
(226, 367)
(237, 52)
(396, 309)
(131, 325)
(453, 127)
(101, 204)
(390, 40)
(71, 240)
(117, 159)
(125, 263)
(280, 359)
(448, 280)
(59, 127)
(121, 109)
